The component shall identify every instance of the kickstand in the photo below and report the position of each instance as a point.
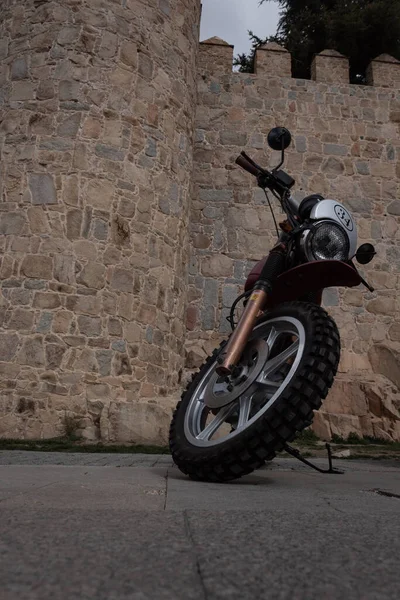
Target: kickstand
(296, 454)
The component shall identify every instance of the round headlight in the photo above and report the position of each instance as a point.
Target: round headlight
(327, 241)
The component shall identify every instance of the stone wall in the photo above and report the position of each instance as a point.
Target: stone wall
(100, 284)
(345, 146)
(97, 105)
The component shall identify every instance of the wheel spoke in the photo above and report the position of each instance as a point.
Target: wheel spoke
(270, 386)
(216, 423)
(244, 410)
(272, 365)
(272, 336)
(197, 414)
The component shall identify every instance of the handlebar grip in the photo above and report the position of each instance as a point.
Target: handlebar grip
(244, 163)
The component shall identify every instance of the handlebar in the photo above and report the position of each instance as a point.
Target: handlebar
(264, 177)
(247, 166)
(278, 182)
(274, 181)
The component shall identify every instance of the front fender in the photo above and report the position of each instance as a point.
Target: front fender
(312, 277)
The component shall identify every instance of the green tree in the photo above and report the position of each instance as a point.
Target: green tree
(359, 29)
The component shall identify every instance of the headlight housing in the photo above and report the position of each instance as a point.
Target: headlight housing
(326, 240)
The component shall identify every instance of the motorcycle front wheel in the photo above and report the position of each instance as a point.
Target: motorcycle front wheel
(285, 372)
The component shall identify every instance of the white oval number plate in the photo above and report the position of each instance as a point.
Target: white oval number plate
(344, 217)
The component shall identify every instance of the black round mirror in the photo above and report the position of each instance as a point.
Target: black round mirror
(279, 138)
(365, 254)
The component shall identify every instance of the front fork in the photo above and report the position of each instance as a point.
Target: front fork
(274, 266)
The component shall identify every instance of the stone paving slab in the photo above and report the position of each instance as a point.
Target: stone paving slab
(133, 527)
(82, 487)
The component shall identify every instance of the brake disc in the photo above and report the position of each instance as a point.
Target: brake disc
(221, 391)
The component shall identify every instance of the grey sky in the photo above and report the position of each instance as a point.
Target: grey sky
(232, 19)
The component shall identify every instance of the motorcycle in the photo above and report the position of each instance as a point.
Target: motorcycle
(260, 388)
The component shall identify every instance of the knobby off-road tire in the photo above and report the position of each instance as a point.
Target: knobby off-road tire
(290, 413)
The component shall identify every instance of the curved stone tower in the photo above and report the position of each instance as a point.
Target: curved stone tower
(97, 102)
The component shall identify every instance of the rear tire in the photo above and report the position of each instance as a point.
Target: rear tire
(292, 411)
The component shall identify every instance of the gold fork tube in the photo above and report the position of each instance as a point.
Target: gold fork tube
(237, 342)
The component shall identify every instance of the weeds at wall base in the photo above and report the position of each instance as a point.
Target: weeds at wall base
(66, 444)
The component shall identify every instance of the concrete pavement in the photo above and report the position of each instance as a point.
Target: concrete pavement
(113, 526)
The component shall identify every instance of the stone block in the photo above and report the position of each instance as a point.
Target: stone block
(46, 90)
(4, 42)
(128, 54)
(69, 90)
(46, 300)
(8, 346)
(233, 138)
(394, 332)
(89, 305)
(44, 324)
(208, 317)
(122, 280)
(114, 326)
(74, 224)
(38, 222)
(132, 332)
(89, 326)
(19, 68)
(42, 188)
(346, 398)
(109, 45)
(141, 422)
(217, 265)
(394, 208)
(68, 35)
(62, 321)
(100, 229)
(104, 358)
(69, 127)
(146, 66)
(321, 426)
(64, 269)
(37, 266)
(92, 275)
(32, 352)
(21, 91)
(216, 195)
(92, 128)
(54, 356)
(385, 360)
(100, 194)
(354, 297)
(333, 166)
(110, 153)
(229, 295)
(344, 425)
(12, 223)
(382, 306)
(121, 365)
(335, 149)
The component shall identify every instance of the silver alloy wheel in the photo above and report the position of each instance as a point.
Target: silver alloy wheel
(267, 384)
